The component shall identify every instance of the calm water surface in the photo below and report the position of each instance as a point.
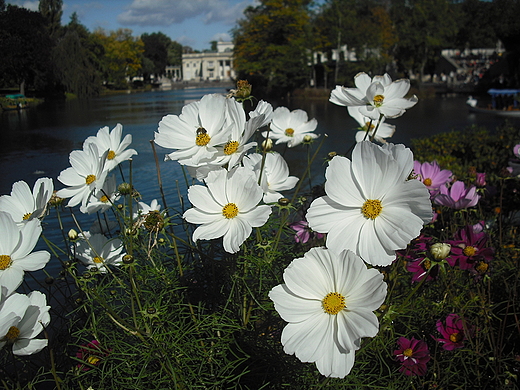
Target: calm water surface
(37, 142)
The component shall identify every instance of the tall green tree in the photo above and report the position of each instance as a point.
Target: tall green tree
(123, 55)
(272, 45)
(156, 50)
(424, 28)
(25, 46)
(175, 51)
(78, 60)
(52, 12)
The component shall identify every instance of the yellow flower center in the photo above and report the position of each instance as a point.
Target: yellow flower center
(427, 181)
(482, 267)
(333, 303)
(12, 334)
(231, 147)
(111, 155)
(470, 251)
(371, 208)
(104, 199)
(90, 179)
(289, 132)
(93, 360)
(97, 260)
(26, 216)
(455, 337)
(378, 100)
(368, 126)
(230, 210)
(5, 262)
(202, 138)
(427, 264)
(408, 352)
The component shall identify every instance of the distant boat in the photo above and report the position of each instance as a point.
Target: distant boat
(504, 103)
(14, 102)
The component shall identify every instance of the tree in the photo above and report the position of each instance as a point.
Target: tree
(271, 45)
(156, 50)
(424, 28)
(175, 51)
(51, 11)
(25, 46)
(123, 53)
(77, 59)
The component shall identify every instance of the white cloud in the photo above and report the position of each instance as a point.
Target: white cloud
(32, 5)
(167, 12)
(224, 37)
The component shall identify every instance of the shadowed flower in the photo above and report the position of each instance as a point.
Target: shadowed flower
(111, 141)
(469, 248)
(275, 176)
(303, 232)
(97, 251)
(92, 354)
(375, 96)
(432, 175)
(328, 302)
(516, 150)
(369, 125)
(421, 268)
(457, 196)
(227, 207)
(24, 205)
(371, 208)
(291, 126)
(413, 355)
(452, 332)
(16, 244)
(22, 318)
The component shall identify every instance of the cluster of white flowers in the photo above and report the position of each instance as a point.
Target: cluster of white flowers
(211, 137)
(22, 317)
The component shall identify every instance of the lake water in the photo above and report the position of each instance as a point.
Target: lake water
(36, 142)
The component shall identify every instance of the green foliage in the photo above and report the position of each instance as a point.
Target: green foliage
(271, 45)
(156, 50)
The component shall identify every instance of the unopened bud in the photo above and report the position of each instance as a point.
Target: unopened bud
(283, 201)
(73, 235)
(124, 188)
(440, 250)
(267, 145)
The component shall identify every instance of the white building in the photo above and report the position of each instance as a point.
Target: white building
(212, 66)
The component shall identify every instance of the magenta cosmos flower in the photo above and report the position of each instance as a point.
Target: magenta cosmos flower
(469, 248)
(413, 355)
(457, 196)
(91, 354)
(304, 232)
(453, 334)
(432, 175)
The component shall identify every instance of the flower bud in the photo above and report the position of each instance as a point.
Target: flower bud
(283, 201)
(124, 188)
(440, 250)
(73, 235)
(267, 145)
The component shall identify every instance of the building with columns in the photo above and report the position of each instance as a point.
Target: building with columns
(209, 66)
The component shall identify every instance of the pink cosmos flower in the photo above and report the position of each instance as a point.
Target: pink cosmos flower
(516, 150)
(457, 196)
(303, 232)
(480, 179)
(413, 355)
(432, 175)
(453, 334)
(469, 248)
(92, 354)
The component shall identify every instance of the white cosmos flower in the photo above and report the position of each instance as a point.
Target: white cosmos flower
(368, 124)
(227, 207)
(16, 244)
(24, 205)
(275, 176)
(265, 110)
(375, 96)
(86, 175)
(97, 251)
(143, 208)
(371, 208)
(328, 301)
(195, 132)
(22, 318)
(291, 126)
(111, 141)
(102, 199)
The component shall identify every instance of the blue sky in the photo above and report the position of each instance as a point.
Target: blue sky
(190, 22)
